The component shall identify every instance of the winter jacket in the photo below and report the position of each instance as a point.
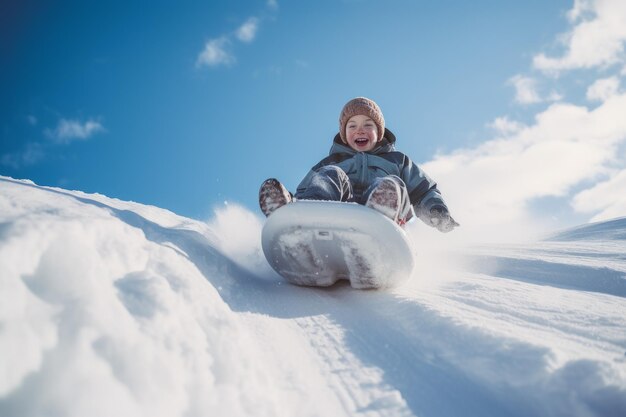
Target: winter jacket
(363, 167)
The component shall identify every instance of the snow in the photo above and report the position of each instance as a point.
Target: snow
(116, 308)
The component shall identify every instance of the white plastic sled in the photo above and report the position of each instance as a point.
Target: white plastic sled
(317, 243)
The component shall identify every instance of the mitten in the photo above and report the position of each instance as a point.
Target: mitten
(441, 219)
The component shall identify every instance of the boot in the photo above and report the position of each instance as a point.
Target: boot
(272, 196)
(385, 198)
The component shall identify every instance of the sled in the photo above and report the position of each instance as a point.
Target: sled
(317, 243)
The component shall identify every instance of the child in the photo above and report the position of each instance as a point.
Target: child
(364, 167)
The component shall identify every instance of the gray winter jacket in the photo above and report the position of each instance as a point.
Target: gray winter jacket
(363, 167)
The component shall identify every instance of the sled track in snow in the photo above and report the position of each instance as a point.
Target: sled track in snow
(360, 388)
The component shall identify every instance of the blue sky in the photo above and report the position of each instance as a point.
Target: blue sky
(185, 105)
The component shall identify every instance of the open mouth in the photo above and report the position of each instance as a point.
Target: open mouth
(361, 141)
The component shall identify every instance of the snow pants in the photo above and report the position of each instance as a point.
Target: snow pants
(332, 183)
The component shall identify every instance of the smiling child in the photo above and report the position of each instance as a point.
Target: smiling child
(364, 167)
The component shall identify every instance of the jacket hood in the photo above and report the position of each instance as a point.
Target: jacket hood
(386, 145)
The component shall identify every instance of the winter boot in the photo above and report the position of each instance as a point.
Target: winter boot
(385, 198)
(272, 196)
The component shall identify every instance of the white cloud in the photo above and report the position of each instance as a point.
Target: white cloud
(505, 126)
(525, 89)
(30, 155)
(495, 183)
(580, 7)
(70, 130)
(554, 96)
(215, 54)
(603, 89)
(215, 51)
(247, 31)
(607, 199)
(596, 40)
(64, 133)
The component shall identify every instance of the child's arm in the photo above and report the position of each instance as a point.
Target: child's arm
(426, 198)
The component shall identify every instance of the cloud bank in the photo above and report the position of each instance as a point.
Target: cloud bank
(567, 146)
(595, 40)
(603, 89)
(525, 89)
(607, 198)
(573, 151)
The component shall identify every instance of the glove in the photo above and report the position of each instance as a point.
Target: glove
(440, 218)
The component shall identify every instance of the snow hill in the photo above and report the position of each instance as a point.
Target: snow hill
(112, 308)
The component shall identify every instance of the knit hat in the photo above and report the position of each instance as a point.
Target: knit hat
(364, 106)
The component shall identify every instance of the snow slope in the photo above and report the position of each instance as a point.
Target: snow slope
(116, 308)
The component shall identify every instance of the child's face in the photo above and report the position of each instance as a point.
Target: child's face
(361, 133)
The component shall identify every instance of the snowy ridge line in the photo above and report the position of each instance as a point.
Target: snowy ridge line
(594, 265)
(614, 229)
(592, 254)
(544, 272)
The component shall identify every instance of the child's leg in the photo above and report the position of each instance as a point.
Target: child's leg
(329, 183)
(390, 196)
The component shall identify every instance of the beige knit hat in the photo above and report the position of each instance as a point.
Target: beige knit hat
(365, 106)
